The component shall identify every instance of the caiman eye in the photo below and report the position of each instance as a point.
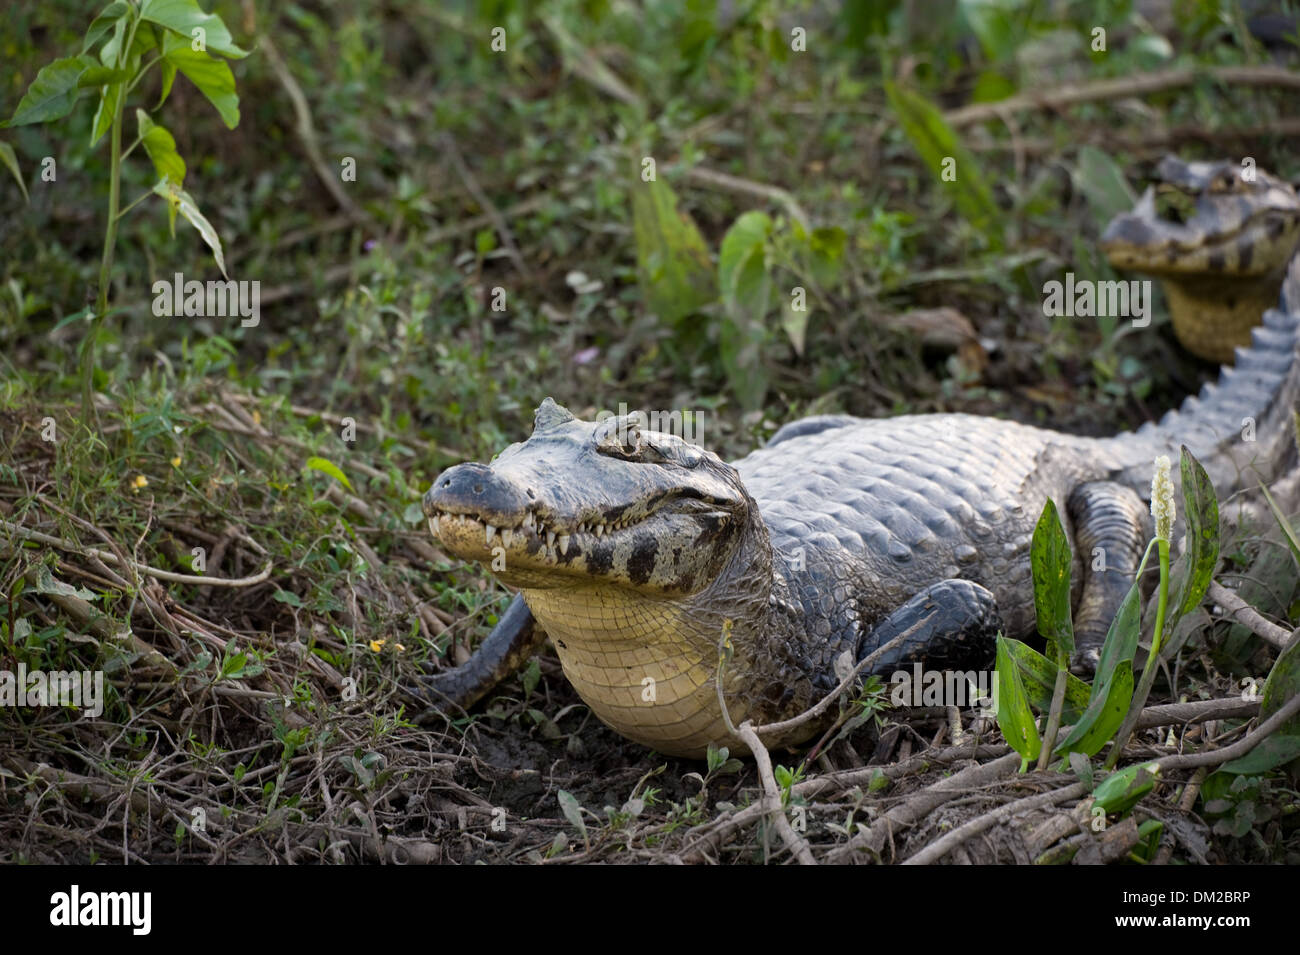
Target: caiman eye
(621, 439)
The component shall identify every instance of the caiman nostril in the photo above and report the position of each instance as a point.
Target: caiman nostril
(478, 488)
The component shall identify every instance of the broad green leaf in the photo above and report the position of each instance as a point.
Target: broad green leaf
(10, 159)
(1201, 510)
(212, 76)
(100, 76)
(328, 467)
(746, 290)
(937, 144)
(677, 278)
(795, 325)
(1104, 715)
(180, 200)
(1015, 718)
(108, 97)
(161, 147)
(1120, 791)
(1039, 676)
(572, 810)
(1050, 558)
(182, 16)
(741, 261)
(1102, 182)
(826, 245)
(53, 92)
(992, 22)
(1277, 750)
(106, 21)
(1283, 683)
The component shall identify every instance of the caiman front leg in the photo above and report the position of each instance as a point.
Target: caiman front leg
(1111, 529)
(963, 621)
(511, 642)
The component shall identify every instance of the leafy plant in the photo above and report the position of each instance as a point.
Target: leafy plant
(1110, 710)
(132, 37)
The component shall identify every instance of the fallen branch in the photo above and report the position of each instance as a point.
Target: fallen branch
(73, 548)
(1072, 94)
(942, 846)
(1246, 615)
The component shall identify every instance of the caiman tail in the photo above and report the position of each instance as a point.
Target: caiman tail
(1242, 428)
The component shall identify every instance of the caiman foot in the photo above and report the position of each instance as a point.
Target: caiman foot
(511, 642)
(1111, 531)
(959, 634)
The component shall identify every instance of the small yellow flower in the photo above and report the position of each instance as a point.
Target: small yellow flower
(176, 461)
(257, 417)
(400, 648)
(139, 482)
(377, 645)
(1162, 499)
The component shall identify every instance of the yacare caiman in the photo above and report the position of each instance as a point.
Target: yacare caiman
(630, 548)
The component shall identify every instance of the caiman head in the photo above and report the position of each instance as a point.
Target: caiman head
(583, 504)
(632, 549)
(1220, 237)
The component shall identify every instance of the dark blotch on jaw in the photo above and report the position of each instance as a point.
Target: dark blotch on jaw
(642, 562)
(1216, 261)
(600, 560)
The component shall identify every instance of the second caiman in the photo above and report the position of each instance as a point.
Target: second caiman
(631, 549)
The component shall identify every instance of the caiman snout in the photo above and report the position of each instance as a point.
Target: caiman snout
(476, 490)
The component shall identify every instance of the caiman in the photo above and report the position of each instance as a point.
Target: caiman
(1220, 237)
(632, 549)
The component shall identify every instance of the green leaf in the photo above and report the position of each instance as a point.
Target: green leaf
(746, 290)
(676, 276)
(1119, 792)
(161, 147)
(741, 261)
(180, 200)
(108, 97)
(1202, 516)
(106, 21)
(10, 159)
(1015, 718)
(100, 76)
(1104, 715)
(1287, 530)
(936, 143)
(53, 92)
(327, 467)
(1102, 182)
(991, 21)
(1050, 559)
(212, 76)
(183, 16)
(1283, 683)
(1275, 751)
(1039, 676)
(572, 811)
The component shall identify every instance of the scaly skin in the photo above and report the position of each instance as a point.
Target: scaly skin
(1221, 248)
(632, 549)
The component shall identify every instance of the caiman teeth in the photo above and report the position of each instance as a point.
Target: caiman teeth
(491, 532)
(435, 526)
(600, 530)
(550, 538)
(564, 544)
(507, 535)
(529, 520)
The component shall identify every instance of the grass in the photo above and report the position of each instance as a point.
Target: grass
(277, 708)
